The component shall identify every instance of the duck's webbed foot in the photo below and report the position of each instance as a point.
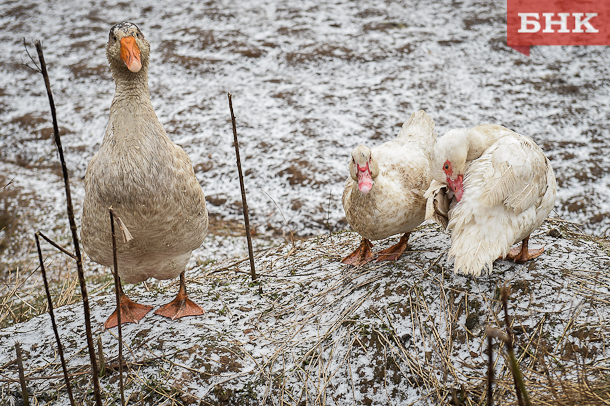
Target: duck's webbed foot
(131, 312)
(523, 254)
(395, 251)
(361, 255)
(181, 306)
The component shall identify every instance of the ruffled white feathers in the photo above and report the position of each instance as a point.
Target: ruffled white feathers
(508, 190)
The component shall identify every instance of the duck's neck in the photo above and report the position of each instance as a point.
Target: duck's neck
(132, 118)
(478, 139)
(131, 88)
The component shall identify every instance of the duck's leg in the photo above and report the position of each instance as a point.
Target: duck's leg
(181, 306)
(131, 312)
(361, 255)
(523, 254)
(395, 251)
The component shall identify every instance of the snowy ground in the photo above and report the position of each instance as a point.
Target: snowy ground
(310, 81)
(327, 334)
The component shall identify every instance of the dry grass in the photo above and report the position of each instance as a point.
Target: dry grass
(22, 296)
(321, 325)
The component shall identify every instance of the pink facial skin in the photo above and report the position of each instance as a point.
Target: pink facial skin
(365, 180)
(455, 185)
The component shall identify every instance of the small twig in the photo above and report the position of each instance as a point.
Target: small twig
(126, 234)
(518, 378)
(24, 389)
(37, 69)
(100, 355)
(284, 217)
(53, 243)
(10, 182)
(117, 289)
(59, 346)
(243, 192)
(79, 259)
(490, 371)
(330, 194)
(45, 378)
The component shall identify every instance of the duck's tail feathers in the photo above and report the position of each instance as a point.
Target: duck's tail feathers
(420, 126)
(476, 248)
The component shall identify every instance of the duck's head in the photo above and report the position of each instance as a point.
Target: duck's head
(450, 160)
(363, 168)
(127, 49)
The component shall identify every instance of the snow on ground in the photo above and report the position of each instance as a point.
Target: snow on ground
(310, 81)
(325, 333)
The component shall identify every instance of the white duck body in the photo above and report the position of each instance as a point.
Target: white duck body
(148, 180)
(509, 189)
(395, 202)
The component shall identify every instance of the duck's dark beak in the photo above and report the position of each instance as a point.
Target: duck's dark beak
(130, 54)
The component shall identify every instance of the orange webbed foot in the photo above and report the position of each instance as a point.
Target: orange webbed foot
(395, 251)
(131, 312)
(520, 255)
(523, 253)
(361, 255)
(180, 307)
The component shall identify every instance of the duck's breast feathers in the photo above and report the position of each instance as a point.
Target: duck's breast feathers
(406, 164)
(512, 172)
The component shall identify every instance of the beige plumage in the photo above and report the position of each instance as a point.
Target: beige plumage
(384, 194)
(148, 180)
(492, 187)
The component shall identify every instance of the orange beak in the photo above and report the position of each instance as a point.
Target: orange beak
(130, 54)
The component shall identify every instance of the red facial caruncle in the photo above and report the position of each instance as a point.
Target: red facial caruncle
(365, 180)
(455, 185)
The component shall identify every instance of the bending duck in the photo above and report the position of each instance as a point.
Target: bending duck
(384, 194)
(492, 187)
(148, 180)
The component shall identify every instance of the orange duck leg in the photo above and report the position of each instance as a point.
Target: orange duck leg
(395, 251)
(181, 306)
(361, 255)
(131, 312)
(523, 254)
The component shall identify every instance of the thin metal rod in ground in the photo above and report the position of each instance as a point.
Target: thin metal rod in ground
(60, 349)
(117, 290)
(79, 258)
(519, 384)
(490, 372)
(243, 191)
(24, 388)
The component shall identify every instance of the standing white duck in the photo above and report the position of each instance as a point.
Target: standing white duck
(149, 182)
(501, 188)
(384, 194)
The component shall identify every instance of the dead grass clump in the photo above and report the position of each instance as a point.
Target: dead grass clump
(22, 296)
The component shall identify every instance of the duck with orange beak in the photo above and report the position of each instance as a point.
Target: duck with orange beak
(150, 183)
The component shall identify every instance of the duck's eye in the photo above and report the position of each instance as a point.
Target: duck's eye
(114, 37)
(446, 167)
(139, 35)
(353, 160)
